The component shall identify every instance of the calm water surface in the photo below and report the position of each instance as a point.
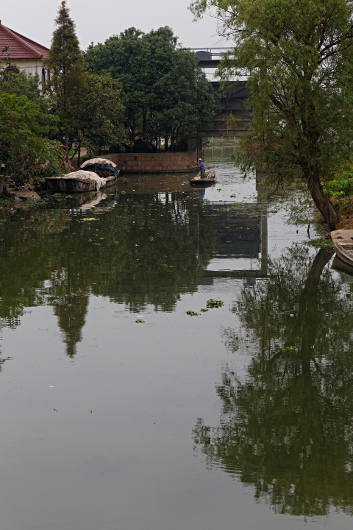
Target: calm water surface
(240, 418)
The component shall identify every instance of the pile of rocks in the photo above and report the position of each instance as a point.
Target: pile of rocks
(25, 193)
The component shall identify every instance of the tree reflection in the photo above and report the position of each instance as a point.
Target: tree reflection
(287, 429)
(143, 252)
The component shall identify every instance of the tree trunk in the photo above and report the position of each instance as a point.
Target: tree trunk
(144, 118)
(172, 141)
(79, 155)
(166, 143)
(322, 203)
(67, 148)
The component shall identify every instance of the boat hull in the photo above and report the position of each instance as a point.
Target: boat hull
(203, 182)
(207, 181)
(72, 185)
(343, 243)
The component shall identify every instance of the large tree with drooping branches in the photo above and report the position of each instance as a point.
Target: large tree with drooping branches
(298, 56)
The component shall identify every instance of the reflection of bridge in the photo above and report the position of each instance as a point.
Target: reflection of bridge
(242, 232)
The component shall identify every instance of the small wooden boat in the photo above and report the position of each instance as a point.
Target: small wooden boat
(208, 180)
(343, 242)
(78, 182)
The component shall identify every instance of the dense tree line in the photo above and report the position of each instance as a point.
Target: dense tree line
(89, 106)
(164, 91)
(26, 126)
(135, 85)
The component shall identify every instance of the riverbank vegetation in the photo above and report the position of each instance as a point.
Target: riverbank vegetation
(339, 189)
(299, 61)
(26, 127)
(134, 86)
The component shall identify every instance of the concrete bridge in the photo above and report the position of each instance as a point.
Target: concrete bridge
(234, 119)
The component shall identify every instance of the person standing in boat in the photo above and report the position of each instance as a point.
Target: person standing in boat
(201, 167)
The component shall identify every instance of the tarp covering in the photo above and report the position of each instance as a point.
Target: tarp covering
(86, 176)
(103, 167)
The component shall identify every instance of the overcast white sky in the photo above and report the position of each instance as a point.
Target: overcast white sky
(97, 20)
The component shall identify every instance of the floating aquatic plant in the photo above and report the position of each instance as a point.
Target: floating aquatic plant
(214, 303)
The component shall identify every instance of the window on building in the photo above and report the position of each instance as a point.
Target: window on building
(12, 69)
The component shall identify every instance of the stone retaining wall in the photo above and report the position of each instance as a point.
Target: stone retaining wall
(154, 162)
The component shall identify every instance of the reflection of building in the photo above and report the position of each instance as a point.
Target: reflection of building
(23, 53)
(242, 233)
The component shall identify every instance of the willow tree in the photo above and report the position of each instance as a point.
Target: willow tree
(299, 60)
(67, 74)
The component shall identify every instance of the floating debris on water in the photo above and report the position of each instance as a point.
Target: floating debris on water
(214, 303)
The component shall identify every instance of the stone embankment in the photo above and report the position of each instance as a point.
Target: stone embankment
(153, 162)
(19, 195)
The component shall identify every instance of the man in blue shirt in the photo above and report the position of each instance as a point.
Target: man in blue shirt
(202, 168)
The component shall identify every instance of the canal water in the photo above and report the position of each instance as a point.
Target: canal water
(121, 411)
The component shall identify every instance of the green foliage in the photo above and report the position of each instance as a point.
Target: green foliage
(19, 84)
(320, 242)
(214, 303)
(165, 93)
(67, 74)
(24, 147)
(341, 186)
(289, 349)
(89, 106)
(100, 122)
(299, 57)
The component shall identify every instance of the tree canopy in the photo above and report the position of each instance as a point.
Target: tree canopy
(299, 60)
(26, 126)
(101, 120)
(89, 106)
(67, 74)
(165, 93)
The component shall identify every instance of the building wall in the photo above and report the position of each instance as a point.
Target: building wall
(154, 162)
(30, 67)
(34, 67)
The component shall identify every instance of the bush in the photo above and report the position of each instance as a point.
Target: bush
(24, 148)
(342, 186)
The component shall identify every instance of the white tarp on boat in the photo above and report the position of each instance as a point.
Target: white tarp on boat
(86, 176)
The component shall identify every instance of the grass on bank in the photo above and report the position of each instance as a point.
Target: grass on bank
(340, 192)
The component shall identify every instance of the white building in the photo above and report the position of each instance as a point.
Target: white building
(23, 53)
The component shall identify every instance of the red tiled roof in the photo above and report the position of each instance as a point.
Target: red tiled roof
(19, 47)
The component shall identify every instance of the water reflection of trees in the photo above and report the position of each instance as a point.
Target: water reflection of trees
(287, 429)
(144, 251)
